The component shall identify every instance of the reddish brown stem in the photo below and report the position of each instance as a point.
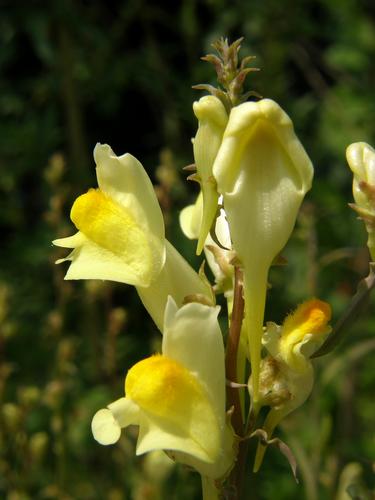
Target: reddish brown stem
(233, 397)
(237, 474)
(231, 352)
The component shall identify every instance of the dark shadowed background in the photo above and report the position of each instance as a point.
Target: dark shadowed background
(73, 73)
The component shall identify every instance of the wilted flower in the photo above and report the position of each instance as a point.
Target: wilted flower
(263, 172)
(286, 375)
(177, 398)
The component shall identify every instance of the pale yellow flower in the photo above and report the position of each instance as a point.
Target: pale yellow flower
(263, 173)
(177, 398)
(120, 225)
(121, 237)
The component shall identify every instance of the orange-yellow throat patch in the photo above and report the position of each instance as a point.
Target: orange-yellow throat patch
(162, 386)
(310, 318)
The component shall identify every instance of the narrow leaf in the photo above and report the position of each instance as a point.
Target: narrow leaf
(359, 300)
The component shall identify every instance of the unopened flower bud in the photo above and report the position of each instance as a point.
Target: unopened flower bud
(361, 159)
(212, 119)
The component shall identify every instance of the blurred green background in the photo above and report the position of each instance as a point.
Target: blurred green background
(77, 72)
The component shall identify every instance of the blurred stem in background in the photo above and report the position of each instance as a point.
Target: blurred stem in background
(77, 144)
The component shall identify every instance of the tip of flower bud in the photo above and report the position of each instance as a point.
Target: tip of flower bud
(210, 108)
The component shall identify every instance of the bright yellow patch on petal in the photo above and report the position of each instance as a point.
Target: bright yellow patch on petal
(159, 384)
(169, 392)
(111, 226)
(310, 318)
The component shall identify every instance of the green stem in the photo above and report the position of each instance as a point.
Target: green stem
(209, 490)
(72, 107)
(255, 285)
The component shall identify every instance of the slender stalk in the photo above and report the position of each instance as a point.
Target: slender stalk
(70, 98)
(209, 490)
(232, 349)
(237, 474)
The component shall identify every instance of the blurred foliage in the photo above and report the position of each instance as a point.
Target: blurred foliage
(77, 72)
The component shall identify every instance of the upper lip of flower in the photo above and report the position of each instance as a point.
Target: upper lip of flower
(121, 228)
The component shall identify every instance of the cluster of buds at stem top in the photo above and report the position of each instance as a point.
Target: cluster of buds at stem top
(231, 73)
(361, 159)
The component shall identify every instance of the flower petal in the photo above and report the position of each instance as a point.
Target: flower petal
(361, 159)
(178, 279)
(125, 411)
(174, 402)
(73, 241)
(126, 181)
(105, 428)
(190, 333)
(92, 261)
(107, 423)
(191, 218)
(155, 435)
(121, 228)
(242, 130)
